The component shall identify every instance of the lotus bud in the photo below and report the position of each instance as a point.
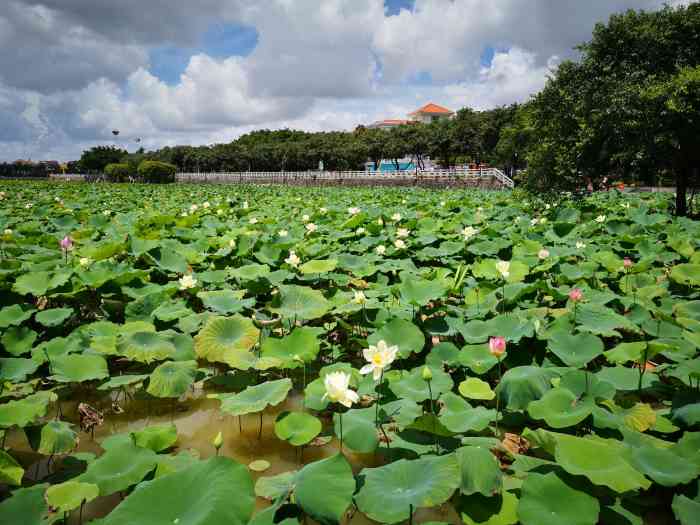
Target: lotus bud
(576, 295)
(217, 442)
(427, 374)
(627, 263)
(497, 346)
(66, 243)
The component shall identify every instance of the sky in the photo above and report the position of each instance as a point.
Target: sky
(181, 72)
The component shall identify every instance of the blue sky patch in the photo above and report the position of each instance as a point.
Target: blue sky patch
(394, 6)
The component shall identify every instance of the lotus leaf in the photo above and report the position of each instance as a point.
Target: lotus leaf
(25, 411)
(359, 430)
(121, 466)
(412, 385)
(324, 489)
(11, 472)
(27, 506)
(255, 398)
(227, 340)
(401, 333)
(459, 416)
(70, 495)
(156, 437)
(481, 472)
(172, 378)
(77, 368)
(53, 316)
(300, 302)
(524, 384)
(545, 498)
(475, 388)
(298, 428)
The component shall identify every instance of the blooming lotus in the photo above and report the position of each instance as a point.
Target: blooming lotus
(193, 208)
(245, 205)
(469, 232)
(84, 261)
(283, 233)
(353, 211)
(533, 222)
(187, 281)
(305, 218)
(378, 358)
(497, 346)
(323, 211)
(600, 219)
(576, 295)
(543, 254)
(359, 297)
(503, 268)
(311, 227)
(8, 232)
(205, 205)
(381, 249)
(293, 259)
(580, 245)
(396, 217)
(338, 389)
(402, 232)
(28, 205)
(399, 244)
(360, 231)
(253, 220)
(107, 213)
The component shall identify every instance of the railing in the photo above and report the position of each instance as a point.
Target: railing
(503, 178)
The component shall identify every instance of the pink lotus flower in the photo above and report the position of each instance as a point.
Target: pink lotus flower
(627, 262)
(497, 345)
(576, 295)
(66, 243)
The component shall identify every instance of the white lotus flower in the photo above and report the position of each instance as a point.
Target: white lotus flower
(193, 208)
(253, 220)
(381, 249)
(580, 245)
(546, 206)
(396, 217)
(399, 244)
(107, 213)
(8, 232)
(503, 268)
(469, 232)
(600, 219)
(205, 205)
(232, 243)
(360, 231)
(323, 211)
(187, 281)
(84, 261)
(533, 222)
(283, 233)
(311, 227)
(2, 195)
(183, 214)
(402, 232)
(380, 221)
(338, 389)
(353, 211)
(543, 254)
(305, 218)
(245, 205)
(359, 297)
(293, 259)
(443, 203)
(28, 205)
(379, 357)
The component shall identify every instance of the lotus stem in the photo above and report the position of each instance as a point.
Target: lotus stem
(503, 293)
(261, 425)
(240, 425)
(410, 514)
(80, 517)
(432, 413)
(498, 405)
(340, 419)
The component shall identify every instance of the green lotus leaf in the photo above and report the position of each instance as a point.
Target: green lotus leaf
(545, 498)
(57, 437)
(171, 310)
(481, 472)
(225, 301)
(399, 332)
(300, 302)
(53, 316)
(324, 489)
(255, 398)
(443, 354)
(11, 472)
(122, 381)
(221, 492)
(475, 388)
(70, 495)
(688, 274)
(411, 385)
(663, 466)
(25, 411)
(172, 378)
(359, 430)
(18, 340)
(510, 326)
(480, 510)
(575, 350)
(122, 465)
(625, 352)
(623, 378)
(478, 358)
(156, 437)
(14, 315)
(27, 506)
(298, 428)
(601, 320)
(274, 487)
(402, 412)
(34, 283)
(228, 340)
(318, 266)
(250, 272)
(146, 347)
(475, 331)
(420, 292)
(688, 414)
(523, 384)
(580, 383)
(170, 260)
(457, 415)
(301, 346)
(77, 368)
(560, 408)
(390, 491)
(169, 463)
(686, 510)
(16, 369)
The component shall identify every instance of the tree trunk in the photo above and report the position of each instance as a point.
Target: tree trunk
(681, 191)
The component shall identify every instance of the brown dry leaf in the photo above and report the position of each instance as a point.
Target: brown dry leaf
(515, 443)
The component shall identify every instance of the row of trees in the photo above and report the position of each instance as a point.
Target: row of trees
(28, 169)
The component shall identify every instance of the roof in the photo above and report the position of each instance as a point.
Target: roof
(389, 122)
(432, 109)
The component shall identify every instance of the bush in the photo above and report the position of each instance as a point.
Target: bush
(158, 172)
(117, 172)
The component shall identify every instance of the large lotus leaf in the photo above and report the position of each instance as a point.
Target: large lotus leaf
(77, 368)
(457, 415)
(545, 498)
(172, 310)
(122, 381)
(399, 332)
(402, 412)
(171, 260)
(57, 437)
(480, 510)
(268, 516)
(121, 466)
(411, 385)
(156, 437)
(524, 384)
(324, 489)
(623, 378)
(688, 274)
(512, 327)
(302, 345)
(625, 352)
(172, 378)
(475, 388)
(146, 347)
(273, 487)
(420, 292)
(225, 301)
(663, 466)
(27, 506)
(443, 354)
(390, 491)
(359, 429)
(219, 491)
(318, 266)
(255, 398)
(601, 320)
(35, 283)
(481, 472)
(228, 340)
(560, 408)
(640, 417)
(478, 358)
(575, 350)
(25, 411)
(298, 428)
(18, 340)
(686, 510)
(475, 331)
(70, 495)
(16, 369)
(53, 316)
(14, 315)
(250, 272)
(11, 472)
(300, 302)
(169, 463)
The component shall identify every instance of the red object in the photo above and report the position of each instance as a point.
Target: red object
(497, 345)
(576, 295)
(621, 186)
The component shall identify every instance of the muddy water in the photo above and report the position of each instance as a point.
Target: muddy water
(198, 420)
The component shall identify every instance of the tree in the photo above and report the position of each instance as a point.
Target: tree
(96, 159)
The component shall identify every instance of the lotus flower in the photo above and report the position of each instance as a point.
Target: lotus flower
(359, 297)
(311, 227)
(84, 261)
(293, 259)
(627, 263)
(381, 249)
(497, 346)
(379, 357)
(187, 281)
(576, 295)
(399, 244)
(503, 268)
(283, 233)
(66, 243)
(600, 219)
(323, 211)
(245, 205)
(253, 220)
(469, 232)
(402, 232)
(205, 205)
(580, 245)
(396, 217)
(8, 232)
(353, 211)
(360, 231)
(107, 213)
(338, 389)
(193, 208)
(305, 218)
(232, 243)
(543, 254)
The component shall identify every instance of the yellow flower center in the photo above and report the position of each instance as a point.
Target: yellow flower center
(377, 359)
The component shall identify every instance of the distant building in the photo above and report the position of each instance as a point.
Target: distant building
(426, 114)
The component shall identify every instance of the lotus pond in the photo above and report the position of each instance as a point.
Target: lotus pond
(205, 355)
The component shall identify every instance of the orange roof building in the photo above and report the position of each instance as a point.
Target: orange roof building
(426, 114)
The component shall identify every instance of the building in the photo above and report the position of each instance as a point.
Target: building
(426, 114)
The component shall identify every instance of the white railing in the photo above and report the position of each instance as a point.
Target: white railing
(503, 178)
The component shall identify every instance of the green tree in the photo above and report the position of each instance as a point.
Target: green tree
(96, 159)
